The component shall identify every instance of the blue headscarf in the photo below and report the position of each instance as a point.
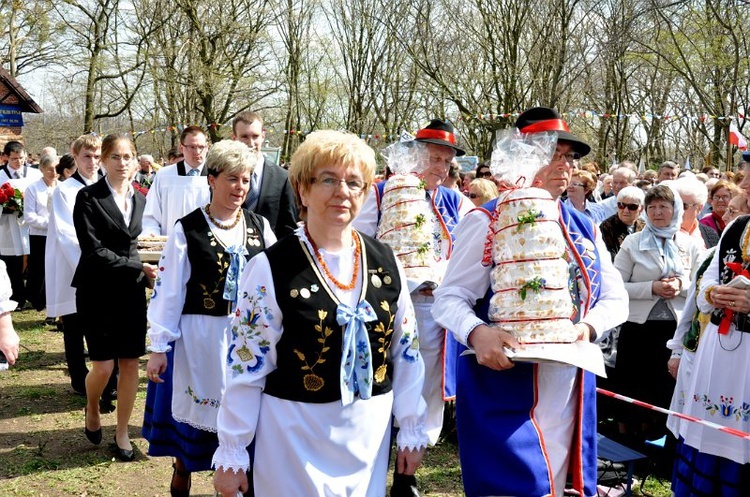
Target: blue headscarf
(652, 237)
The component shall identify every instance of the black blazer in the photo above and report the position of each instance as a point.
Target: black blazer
(276, 201)
(109, 255)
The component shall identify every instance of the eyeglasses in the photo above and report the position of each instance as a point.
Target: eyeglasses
(440, 161)
(630, 207)
(196, 148)
(569, 157)
(689, 206)
(582, 185)
(723, 198)
(484, 174)
(732, 211)
(117, 158)
(331, 183)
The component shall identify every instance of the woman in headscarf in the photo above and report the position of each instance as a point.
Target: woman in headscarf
(324, 348)
(191, 311)
(656, 265)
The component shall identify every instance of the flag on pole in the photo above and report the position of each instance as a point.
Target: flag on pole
(687, 164)
(641, 166)
(736, 138)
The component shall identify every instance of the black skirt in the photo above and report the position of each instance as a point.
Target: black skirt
(113, 320)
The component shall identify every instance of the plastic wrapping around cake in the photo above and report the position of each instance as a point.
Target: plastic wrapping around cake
(407, 157)
(517, 157)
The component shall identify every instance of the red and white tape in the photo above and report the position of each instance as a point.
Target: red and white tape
(725, 429)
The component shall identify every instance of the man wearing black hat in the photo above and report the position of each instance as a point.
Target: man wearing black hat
(524, 428)
(448, 207)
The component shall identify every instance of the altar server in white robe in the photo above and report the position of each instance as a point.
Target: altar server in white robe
(324, 346)
(180, 188)
(14, 232)
(62, 254)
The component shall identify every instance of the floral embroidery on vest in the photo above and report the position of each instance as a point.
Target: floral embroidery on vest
(246, 330)
(311, 381)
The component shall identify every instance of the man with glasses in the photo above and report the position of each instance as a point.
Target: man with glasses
(622, 177)
(523, 428)
(180, 188)
(447, 207)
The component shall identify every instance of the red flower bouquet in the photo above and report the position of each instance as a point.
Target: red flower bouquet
(11, 199)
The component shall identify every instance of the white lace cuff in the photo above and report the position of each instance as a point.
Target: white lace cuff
(159, 345)
(8, 306)
(234, 458)
(411, 436)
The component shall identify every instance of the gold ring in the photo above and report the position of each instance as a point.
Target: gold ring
(731, 303)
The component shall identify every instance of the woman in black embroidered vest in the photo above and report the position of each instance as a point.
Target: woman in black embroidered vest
(324, 350)
(191, 311)
(710, 462)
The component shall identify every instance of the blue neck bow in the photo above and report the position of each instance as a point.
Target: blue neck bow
(356, 356)
(237, 264)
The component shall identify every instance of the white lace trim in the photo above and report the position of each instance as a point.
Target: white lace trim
(195, 425)
(231, 458)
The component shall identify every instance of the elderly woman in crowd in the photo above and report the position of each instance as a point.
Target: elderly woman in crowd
(626, 221)
(580, 187)
(694, 194)
(107, 219)
(656, 265)
(36, 198)
(324, 349)
(482, 191)
(714, 385)
(191, 312)
(719, 196)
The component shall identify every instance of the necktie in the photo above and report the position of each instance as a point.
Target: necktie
(193, 172)
(253, 194)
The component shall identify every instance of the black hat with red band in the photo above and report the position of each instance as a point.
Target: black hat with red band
(540, 119)
(439, 133)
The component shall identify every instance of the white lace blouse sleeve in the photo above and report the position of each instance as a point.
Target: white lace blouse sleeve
(255, 331)
(466, 279)
(168, 298)
(6, 305)
(409, 407)
(710, 278)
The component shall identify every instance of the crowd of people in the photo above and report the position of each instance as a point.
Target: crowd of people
(288, 349)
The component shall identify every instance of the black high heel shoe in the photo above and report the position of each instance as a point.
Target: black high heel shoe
(180, 490)
(124, 455)
(94, 436)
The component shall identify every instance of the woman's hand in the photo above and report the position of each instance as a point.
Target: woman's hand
(489, 345)
(673, 366)
(9, 340)
(666, 288)
(156, 365)
(737, 299)
(227, 483)
(408, 461)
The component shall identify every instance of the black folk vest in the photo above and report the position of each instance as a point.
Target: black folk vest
(309, 351)
(732, 249)
(209, 263)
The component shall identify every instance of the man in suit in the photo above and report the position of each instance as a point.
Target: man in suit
(180, 188)
(270, 194)
(61, 259)
(14, 233)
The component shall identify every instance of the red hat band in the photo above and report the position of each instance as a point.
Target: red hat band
(546, 125)
(436, 134)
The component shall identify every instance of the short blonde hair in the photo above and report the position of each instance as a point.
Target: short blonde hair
(230, 156)
(587, 178)
(89, 142)
(487, 189)
(328, 147)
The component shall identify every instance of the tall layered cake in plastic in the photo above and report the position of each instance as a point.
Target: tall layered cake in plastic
(406, 225)
(530, 277)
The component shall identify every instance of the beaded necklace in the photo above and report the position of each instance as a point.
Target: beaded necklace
(223, 226)
(324, 266)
